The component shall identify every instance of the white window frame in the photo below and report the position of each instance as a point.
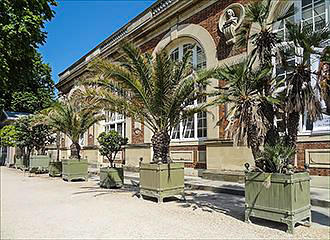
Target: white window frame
(314, 16)
(303, 119)
(180, 49)
(113, 118)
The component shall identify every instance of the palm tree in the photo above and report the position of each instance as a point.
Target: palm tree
(257, 28)
(301, 95)
(73, 118)
(324, 78)
(156, 91)
(246, 121)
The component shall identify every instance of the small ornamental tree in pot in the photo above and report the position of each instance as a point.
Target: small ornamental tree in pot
(73, 118)
(157, 92)
(8, 135)
(110, 144)
(55, 167)
(33, 136)
(274, 188)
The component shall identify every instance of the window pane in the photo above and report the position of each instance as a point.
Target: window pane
(201, 58)
(201, 125)
(319, 8)
(120, 129)
(175, 54)
(306, 2)
(307, 13)
(319, 22)
(188, 128)
(176, 132)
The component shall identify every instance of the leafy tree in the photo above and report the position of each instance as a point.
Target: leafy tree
(8, 136)
(157, 92)
(21, 66)
(71, 117)
(110, 144)
(30, 135)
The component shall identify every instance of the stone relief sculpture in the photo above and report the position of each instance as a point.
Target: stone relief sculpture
(230, 21)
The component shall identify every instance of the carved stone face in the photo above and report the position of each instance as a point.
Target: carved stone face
(230, 14)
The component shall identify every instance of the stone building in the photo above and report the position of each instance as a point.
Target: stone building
(211, 26)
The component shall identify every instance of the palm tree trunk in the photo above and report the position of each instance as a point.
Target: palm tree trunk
(75, 151)
(272, 135)
(292, 129)
(160, 144)
(254, 144)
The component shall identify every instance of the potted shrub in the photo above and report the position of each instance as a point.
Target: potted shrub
(72, 117)
(55, 168)
(274, 189)
(157, 92)
(110, 144)
(32, 136)
(278, 192)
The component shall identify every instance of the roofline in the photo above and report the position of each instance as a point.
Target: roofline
(161, 4)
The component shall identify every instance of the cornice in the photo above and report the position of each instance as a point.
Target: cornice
(154, 16)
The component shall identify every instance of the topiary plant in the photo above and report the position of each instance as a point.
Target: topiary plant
(110, 144)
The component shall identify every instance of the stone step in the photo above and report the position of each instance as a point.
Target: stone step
(226, 176)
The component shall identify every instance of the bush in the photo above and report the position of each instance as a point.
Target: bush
(110, 144)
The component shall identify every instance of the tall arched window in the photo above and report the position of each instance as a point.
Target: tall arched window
(194, 127)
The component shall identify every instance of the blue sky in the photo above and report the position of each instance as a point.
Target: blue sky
(79, 25)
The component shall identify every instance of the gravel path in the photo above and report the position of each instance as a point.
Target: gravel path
(40, 207)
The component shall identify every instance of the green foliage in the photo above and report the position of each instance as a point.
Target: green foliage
(110, 144)
(8, 136)
(158, 91)
(21, 67)
(277, 158)
(71, 117)
(246, 121)
(31, 136)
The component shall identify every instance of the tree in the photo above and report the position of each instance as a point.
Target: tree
(246, 120)
(300, 94)
(21, 66)
(257, 29)
(155, 91)
(71, 117)
(324, 78)
(30, 136)
(8, 136)
(110, 144)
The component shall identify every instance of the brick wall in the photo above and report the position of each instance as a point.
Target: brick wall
(137, 134)
(301, 156)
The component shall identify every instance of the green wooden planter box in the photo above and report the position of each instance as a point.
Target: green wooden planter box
(287, 199)
(161, 180)
(19, 163)
(55, 169)
(39, 162)
(74, 169)
(111, 177)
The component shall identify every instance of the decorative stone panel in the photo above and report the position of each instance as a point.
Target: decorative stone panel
(315, 154)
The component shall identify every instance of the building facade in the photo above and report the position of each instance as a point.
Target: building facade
(210, 26)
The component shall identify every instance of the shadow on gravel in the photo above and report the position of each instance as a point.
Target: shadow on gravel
(97, 191)
(231, 205)
(320, 218)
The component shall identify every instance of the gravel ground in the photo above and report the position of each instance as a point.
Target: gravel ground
(40, 207)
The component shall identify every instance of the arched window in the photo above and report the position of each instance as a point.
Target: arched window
(194, 127)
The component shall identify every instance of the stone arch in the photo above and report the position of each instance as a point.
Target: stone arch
(196, 32)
